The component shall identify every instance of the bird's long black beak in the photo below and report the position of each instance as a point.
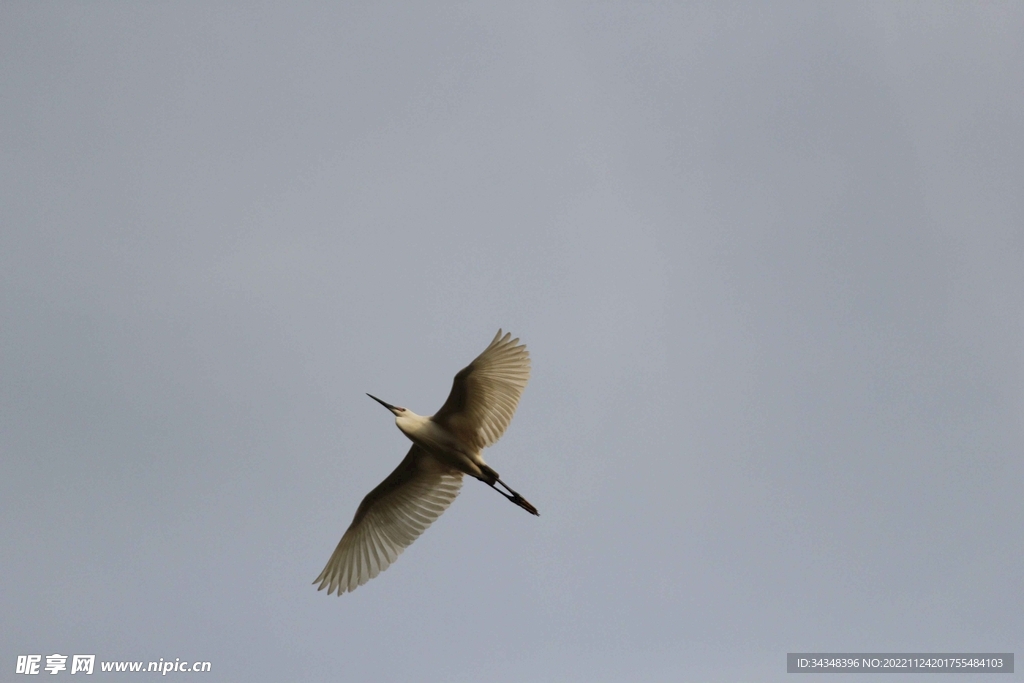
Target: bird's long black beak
(383, 403)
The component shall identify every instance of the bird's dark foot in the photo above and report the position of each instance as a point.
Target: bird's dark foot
(525, 504)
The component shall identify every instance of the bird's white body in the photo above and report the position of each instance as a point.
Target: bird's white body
(441, 443)
(446, 446)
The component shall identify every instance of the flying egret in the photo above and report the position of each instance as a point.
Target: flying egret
(445, 446)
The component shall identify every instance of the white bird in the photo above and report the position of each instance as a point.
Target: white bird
(445, 446)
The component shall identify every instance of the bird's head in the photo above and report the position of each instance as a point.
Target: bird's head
(398, 412)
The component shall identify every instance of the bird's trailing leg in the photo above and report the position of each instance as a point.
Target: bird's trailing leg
(516, 498)
(491, 477)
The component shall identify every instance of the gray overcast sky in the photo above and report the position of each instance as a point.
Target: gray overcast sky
(768, 260)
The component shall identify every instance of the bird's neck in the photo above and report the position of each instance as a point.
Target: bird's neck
(424, 431)
(411, 424)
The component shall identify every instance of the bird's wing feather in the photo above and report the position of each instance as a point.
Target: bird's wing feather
(389, 519)
(486, 392)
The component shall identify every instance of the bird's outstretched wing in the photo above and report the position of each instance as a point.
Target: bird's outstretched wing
(486, 392)
(389, 519)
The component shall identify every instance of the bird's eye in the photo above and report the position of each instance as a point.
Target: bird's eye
(401, 410)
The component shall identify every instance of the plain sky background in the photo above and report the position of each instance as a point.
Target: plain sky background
(768, 260)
